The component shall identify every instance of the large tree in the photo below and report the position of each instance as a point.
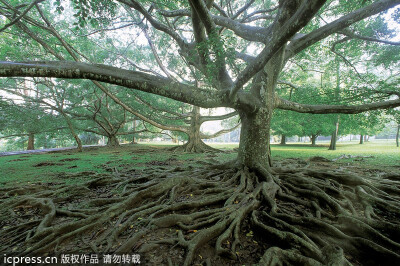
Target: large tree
(237, 51)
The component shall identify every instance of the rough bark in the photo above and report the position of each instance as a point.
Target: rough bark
(361, 139)
(31, 141)
(254, 139)
(254, 146)
(397, 135)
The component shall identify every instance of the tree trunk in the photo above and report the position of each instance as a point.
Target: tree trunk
(361, 139)
(397, 135)
(134, 129)
(254, 146)
(195, 143)
(31, 141)
(332, 146)
(313, 140)
(283, 140)
(72, 130)
(46, 142)
(112, 141)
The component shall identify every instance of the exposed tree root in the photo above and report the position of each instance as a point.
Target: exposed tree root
(290, 217)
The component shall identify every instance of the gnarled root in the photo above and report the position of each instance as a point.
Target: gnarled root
(287, 217)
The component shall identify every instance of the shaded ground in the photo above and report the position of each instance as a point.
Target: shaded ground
(77, 195)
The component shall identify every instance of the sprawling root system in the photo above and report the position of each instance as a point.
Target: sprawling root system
(211, 216)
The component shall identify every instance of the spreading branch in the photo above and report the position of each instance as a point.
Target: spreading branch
(113, 75)
(19, 17)
(337, 25)
(338, 109)
(220, 132)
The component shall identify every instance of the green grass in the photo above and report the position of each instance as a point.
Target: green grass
(21, 168)
(384, 153)
(24, 168)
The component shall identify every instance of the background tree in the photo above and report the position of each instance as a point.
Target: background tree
(23, 118)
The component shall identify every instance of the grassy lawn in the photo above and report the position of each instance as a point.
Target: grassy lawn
(383, 153)
(50, 167)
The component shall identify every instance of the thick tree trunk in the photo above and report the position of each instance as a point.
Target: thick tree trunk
(361, 139)
(112, 141)
(283, 140)
(313, 140)
(254, 147)
(397, 135)
(31, 141)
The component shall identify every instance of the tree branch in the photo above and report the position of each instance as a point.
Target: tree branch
(15, 20)
(250, 33)
(113, 75)
(219, 133)
(278, 37)
(306, 41)
(156, 24)
(181, 116)
(353, 35)
(154, 50)
(220, 117)
(330, 109)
